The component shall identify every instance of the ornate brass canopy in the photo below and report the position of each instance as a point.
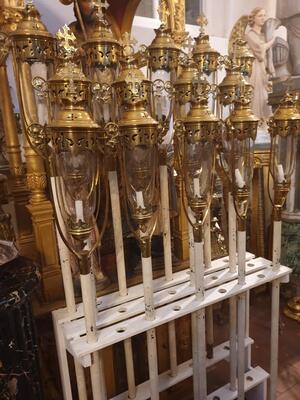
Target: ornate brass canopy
(183, 85)
(205, 57)
(286, 119)
(242, 56)
(163, 52)
(101, 49)
(31, 40)
(228, 87)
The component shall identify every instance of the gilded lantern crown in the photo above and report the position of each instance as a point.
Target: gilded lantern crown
(233, 80)
(242, 56)
(200, 123)
(163, 52)
(205, 57)
(101, 48)
(131, 86)
(31, 40)
(242, 123)
(70, 92)
(286, 119)
(184, 83)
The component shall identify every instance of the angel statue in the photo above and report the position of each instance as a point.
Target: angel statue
(252, 29)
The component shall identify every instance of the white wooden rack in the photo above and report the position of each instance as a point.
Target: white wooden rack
(120, 318)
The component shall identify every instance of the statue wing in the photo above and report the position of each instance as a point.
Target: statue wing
(238, 31)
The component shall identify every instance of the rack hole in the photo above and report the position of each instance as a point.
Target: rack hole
(188, 272)
(172, 291)
(249, 378)
(222, 290)
(216, 398)
(226, 259)
(122, 310)
(121, 329)
(226, 348)
(261, 276)
(250, 265)
(214, 277)
(176, 308)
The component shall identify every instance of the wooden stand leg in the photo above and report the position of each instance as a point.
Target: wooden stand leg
(241, 315)
(198, 324)
(130, 369)
(151, 335)
(118, 233)
(80, 379)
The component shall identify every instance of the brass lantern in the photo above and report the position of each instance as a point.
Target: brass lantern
(284, 127)
(138, 152)
(195, 150)
(238, 151)
(71, 142)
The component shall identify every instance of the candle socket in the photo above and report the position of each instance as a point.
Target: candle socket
(280, 192)
(84, 262)
(145, 245)
(197, 232)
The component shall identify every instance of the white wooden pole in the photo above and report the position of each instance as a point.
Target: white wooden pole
(166, 231)
(241, 257)
(148, 288)
(62, 359)
(118, 233)
(165, 213)
(151, 335)
(88, 300)
(276, 245)
(121, 271)
(191, 248)
(277, 225)
(97, 377)
(207, 262)
(89, 305)
(196, 383)
(241, 315)
(231, 233)
(64, 255)
(130, 368)
(80, 379)
(274, 338)
(152, 363)
(241, 345)
(199, 330)
(207, 241)
(232, 300)
(172, 348)
(232, 342)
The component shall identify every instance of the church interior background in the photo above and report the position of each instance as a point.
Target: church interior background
(149, 199)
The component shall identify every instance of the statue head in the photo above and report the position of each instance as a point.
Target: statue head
(257, 17)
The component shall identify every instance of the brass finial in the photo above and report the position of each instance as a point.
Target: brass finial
(202, 22)
(99, 6)
(66, 41)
